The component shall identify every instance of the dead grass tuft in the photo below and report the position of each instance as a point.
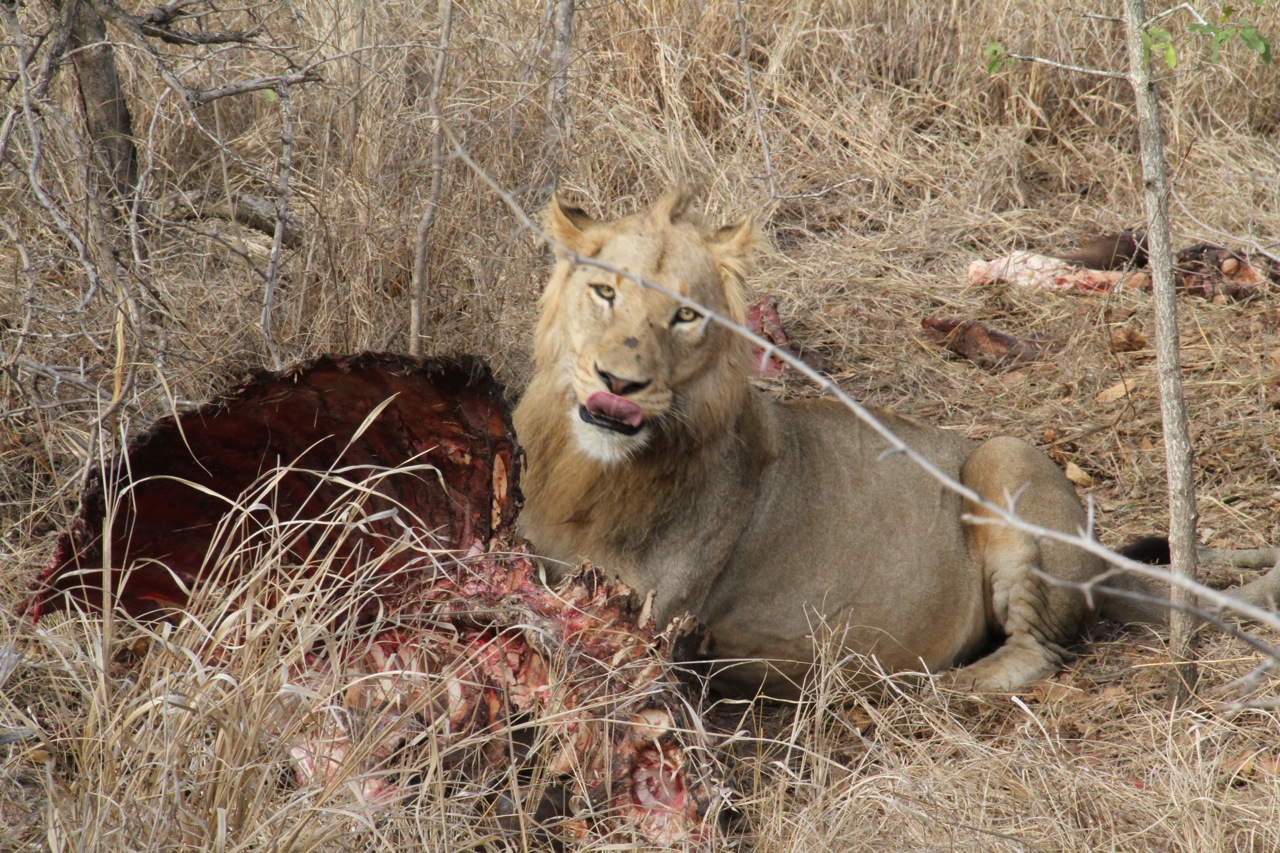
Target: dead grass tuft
(882, 159)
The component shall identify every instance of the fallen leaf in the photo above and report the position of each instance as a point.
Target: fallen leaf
(1116, 392)
(1056, 692)
(1252, 764)
(1125, 339)
(1078, 475)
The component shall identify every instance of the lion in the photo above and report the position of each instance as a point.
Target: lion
(651, 455)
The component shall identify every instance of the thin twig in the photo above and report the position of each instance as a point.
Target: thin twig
(1252, 244)
(820, 193)
(998, 514)
(37, 155)
(1081, 69)
(1181, 7)
(204, 96)
(15, 239)
(59, 375)
(1092, 587)
(132, 27)
(53, 55)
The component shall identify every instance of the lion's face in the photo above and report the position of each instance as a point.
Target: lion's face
(637, 362)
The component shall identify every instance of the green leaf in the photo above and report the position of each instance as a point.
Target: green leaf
(1256, 42)
(1170, 58)
(1160, 35)
(997, 58)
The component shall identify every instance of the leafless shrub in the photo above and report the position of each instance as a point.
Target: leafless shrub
(895, 160)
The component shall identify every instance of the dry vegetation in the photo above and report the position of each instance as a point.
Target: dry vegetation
(880, 156)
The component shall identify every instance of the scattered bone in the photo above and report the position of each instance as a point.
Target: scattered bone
(1111, 262)
(1028, 269)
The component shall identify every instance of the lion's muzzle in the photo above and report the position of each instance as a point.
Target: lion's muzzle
(612, 412)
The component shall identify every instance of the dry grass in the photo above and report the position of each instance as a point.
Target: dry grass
(880, 156)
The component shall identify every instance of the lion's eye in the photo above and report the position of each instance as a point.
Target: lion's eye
(685, 314)
(604, 291)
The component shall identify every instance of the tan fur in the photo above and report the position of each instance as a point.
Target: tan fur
(773, 521)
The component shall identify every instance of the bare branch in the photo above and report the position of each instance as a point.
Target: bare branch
(257, 84)
(820, 193)
(1181, 7)
(61, 223)
(132, 27)
(59, 375)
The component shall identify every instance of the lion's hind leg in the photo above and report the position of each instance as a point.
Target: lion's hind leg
(1035, 617)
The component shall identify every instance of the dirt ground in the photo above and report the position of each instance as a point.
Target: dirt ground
(881, 157)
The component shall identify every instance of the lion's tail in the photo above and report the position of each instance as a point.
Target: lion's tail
(1135, 599)
(1145, 600)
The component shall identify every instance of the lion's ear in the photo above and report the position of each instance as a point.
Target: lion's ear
(734, 248)
(670, 206)
(568, 225)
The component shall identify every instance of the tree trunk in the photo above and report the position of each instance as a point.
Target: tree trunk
(562, 115)
(1173, 408)
(418, 285)
(105, 110)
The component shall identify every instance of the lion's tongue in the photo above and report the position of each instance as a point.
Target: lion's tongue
(613, 406)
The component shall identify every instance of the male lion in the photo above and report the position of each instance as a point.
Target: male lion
(650, 454)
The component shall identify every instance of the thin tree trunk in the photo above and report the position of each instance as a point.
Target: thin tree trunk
(106, 112)
(561, 44)
(418, 285)
(1173, 408)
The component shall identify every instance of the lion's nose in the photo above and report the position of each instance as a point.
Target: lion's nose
(618, 385)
